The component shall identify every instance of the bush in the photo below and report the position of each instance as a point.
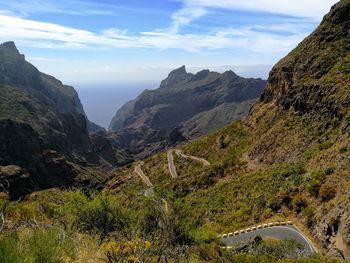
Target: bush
(131, 251)
(269, 250)
(308, 213)
(39, 246)
(343, 149)
(316, 180)
(9, 250)
(299, 202)
(279, 249)
(49, 246)
(99, 215)
(327, 192)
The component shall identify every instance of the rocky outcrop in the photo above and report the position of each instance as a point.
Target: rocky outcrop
(15, 181)
(186, 105)
(28, 163)
(312, 77)
(303, 116)
(332, 230)
(43, 127)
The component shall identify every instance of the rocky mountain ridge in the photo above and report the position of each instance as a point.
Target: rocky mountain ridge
(43, 125)
(303, 116)
(289, 158)
(185, 105)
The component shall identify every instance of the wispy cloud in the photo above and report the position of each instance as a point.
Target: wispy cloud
(185, 16)
(49, 35)
(312, 9)
(68, 7)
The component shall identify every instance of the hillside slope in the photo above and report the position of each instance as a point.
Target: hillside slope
(290, 158)
(43, 126)
(185, 105)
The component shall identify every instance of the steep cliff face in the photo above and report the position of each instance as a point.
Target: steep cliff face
(27, 163)
(186, 104)
(51, 108)
(43, 126)
(303, 115)
(314, 76)
(307, 90)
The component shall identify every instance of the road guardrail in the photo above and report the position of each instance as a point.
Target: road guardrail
(254, 228)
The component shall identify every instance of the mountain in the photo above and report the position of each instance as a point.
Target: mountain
(288, 159)
(303, 116)
(185, 105)
(43, 126)
(311, 84)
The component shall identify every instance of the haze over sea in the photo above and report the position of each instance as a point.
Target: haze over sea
(101, 101)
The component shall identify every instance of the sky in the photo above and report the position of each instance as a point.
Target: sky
(111, 50)
(88, 43)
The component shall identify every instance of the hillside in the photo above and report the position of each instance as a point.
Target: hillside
(43, 127)
(288, 159)
(185, 105)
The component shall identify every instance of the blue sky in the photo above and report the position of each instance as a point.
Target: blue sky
(89, 43)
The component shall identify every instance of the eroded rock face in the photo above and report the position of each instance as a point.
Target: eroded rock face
(185, 106)
(15, 180)
(43, 127)
(307, 98)
(332, 230)
(314, 76)
(27, 163)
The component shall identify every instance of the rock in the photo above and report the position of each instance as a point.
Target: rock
(185, 106)
(15, 180)
(43, 126)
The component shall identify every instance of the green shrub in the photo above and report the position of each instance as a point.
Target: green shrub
(9, 249)
(37, 246)
(308, 213)
(348, 131)
(327, 192)
(99, 215)
(293, 172)
(299, 202)
(316, 180)
(45, 246)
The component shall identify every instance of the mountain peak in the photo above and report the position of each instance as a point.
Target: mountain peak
(229, 73)
(175, 77)
(9, 46)
(178, 72)
(339, 13)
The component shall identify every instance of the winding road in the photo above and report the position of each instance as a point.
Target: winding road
(203, 161)
(149, 191)
(171, 164)
(278, 232)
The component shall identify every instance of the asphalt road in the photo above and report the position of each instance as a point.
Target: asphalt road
(171, 165)
(180, 153)
(149, 191)
(278, 232)
(144, 178)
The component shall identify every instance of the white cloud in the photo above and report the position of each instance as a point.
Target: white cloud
(24, 8)
(47, 35)
(313, 9)
(115, 33)
(185, 16)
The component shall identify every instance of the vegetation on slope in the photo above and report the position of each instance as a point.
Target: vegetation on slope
(289, 159)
